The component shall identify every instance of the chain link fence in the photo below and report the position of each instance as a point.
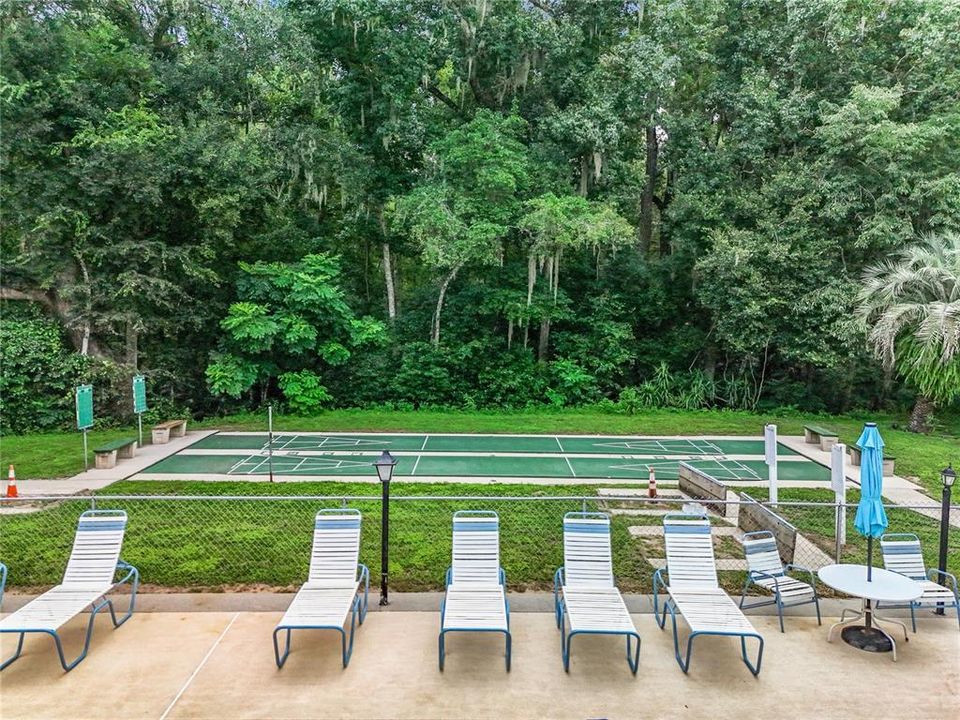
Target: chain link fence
(232, 543)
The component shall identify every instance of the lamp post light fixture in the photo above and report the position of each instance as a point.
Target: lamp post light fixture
(384, 465)
(948, 476)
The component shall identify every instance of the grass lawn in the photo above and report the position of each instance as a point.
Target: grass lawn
(225, 543)
(237, 543)
(54, 455)
(817, 525)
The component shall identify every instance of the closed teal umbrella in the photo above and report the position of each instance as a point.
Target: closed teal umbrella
(871, 518)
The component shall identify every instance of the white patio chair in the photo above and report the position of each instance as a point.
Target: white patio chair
(334, 585)
(475, 598)
(766, 570)
(585, 594)
(695, 592)
(94, 562)
(902, 554)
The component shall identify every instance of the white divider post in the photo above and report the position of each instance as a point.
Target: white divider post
(770, 455)
(838, 481)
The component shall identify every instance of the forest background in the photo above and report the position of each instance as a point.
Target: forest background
(463, 204)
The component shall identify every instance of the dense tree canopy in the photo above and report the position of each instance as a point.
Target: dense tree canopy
(660, 202)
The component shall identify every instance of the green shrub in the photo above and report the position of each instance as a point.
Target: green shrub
(37, 376)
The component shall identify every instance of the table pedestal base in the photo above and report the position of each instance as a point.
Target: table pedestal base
(869, 637)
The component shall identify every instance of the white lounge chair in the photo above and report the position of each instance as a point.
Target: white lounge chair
(695, 592)
(585, 594)
(89, 576)
(334, 585)
(902, 554)
(475, 600)
(765, 569)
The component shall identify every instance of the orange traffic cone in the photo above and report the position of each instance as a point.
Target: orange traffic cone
(11, 483)
(652, 483)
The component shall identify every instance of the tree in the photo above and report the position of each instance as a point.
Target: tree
(466, 206)
(568, 223)
(911, 305)
(290, 322)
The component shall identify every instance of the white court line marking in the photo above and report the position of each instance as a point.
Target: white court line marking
(236, 465)
(414, 471)
(257, 466)
(559, 444)
(713, 446)
(572, 471)
(748, 469)
(424, 446)
(199, 667)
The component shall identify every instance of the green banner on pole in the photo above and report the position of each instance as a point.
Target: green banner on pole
(139, 394)
(84, 407)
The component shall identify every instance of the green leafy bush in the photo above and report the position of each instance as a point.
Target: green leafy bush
(37, 377)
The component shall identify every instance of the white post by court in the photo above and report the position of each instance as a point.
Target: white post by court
(770, 455)
(838, 481)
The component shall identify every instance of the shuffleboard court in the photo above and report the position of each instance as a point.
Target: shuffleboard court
(447, 443)
(460, 457)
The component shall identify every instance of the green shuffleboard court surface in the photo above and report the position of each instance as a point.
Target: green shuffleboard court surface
(476, 456)
(563, 444)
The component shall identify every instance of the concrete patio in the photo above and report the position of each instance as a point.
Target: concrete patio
(220, 665)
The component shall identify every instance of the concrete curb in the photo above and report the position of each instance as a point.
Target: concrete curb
(528, 602)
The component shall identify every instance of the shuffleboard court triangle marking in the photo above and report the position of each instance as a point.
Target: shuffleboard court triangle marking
(289, 462)
(689, 447)
(306, 442)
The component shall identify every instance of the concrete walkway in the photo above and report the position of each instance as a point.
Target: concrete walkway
(97, 479)
(220, 665)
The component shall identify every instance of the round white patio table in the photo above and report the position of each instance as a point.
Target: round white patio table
(884, 586)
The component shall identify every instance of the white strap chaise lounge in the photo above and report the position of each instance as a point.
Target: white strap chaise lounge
(475, 600)
(338, 584)
(902, 554)
(695, 592)
(89, 577)
(766, 570)
(585, 595)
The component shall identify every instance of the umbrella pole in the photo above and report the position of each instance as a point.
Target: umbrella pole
(868, 615)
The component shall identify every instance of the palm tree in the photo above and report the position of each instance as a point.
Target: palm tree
(911, 307)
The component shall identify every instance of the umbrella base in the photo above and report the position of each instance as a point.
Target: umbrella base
(868, 639)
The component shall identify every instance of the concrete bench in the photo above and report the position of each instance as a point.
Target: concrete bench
(163, 431)
(107, 454)
(888, 460)
(821, 436)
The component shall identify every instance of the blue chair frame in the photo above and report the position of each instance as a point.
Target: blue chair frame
(777, 598)
(684, 661)
(98, 605)
(3, 581)
(358, 610)
(633, 658)
(566, 638)
(671, 606)
(931, 573)
(448, 577)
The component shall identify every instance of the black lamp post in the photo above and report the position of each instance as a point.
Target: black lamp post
(384, 465)
(948, 475)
